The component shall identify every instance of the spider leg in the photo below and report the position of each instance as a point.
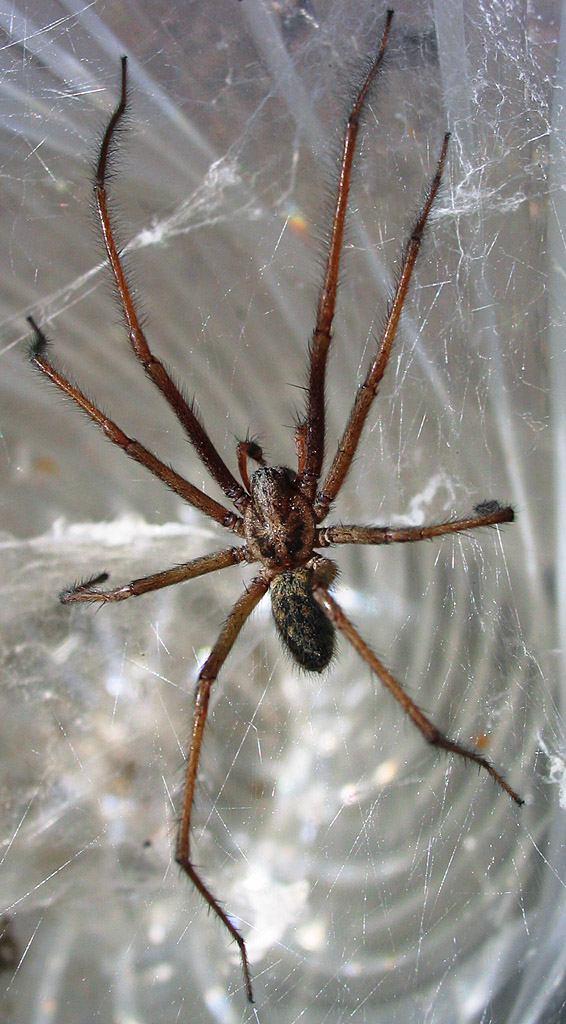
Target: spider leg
(86, 591)
(314, 434)
(248, 450)
(133, 448)
(240, 612)
(368, 390)
(152, 366)
(489, 513)
(431, 734)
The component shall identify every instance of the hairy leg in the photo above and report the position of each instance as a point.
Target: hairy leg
(489, 513)
(240, 612)
(88, 589)
(368, 390)
(152, 366)
(431, 734)
(136, 451)
(314, 424)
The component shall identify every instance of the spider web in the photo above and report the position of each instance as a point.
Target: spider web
(373, 879)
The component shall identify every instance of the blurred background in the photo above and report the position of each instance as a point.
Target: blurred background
(372, 878)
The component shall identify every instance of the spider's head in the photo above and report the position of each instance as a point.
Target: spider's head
(279, 522)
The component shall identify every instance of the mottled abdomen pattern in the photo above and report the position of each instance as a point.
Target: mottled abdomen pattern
(301, 623)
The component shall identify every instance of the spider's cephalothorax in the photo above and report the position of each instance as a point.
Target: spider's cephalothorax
(279, 521)
(278, 511)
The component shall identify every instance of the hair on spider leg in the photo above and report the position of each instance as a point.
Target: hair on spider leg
(39, 343)
(420, 215)
(491, 507)
(354, 69)
(107, 164)
(39, 349)
(254, 450)
(69, 594)
(248, 449)
(107, 148)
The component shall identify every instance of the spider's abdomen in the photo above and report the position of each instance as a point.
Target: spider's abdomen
(301, 623)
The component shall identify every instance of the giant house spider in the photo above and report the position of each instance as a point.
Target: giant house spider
(279, 511)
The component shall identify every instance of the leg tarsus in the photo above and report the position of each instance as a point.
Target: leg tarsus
(191, 872)
(117, 114)
(438, 739)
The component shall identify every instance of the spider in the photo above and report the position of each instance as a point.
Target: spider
(279, 511)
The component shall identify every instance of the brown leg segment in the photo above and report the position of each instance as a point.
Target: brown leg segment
(431, 734)
(327, 298)
(240, 612)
